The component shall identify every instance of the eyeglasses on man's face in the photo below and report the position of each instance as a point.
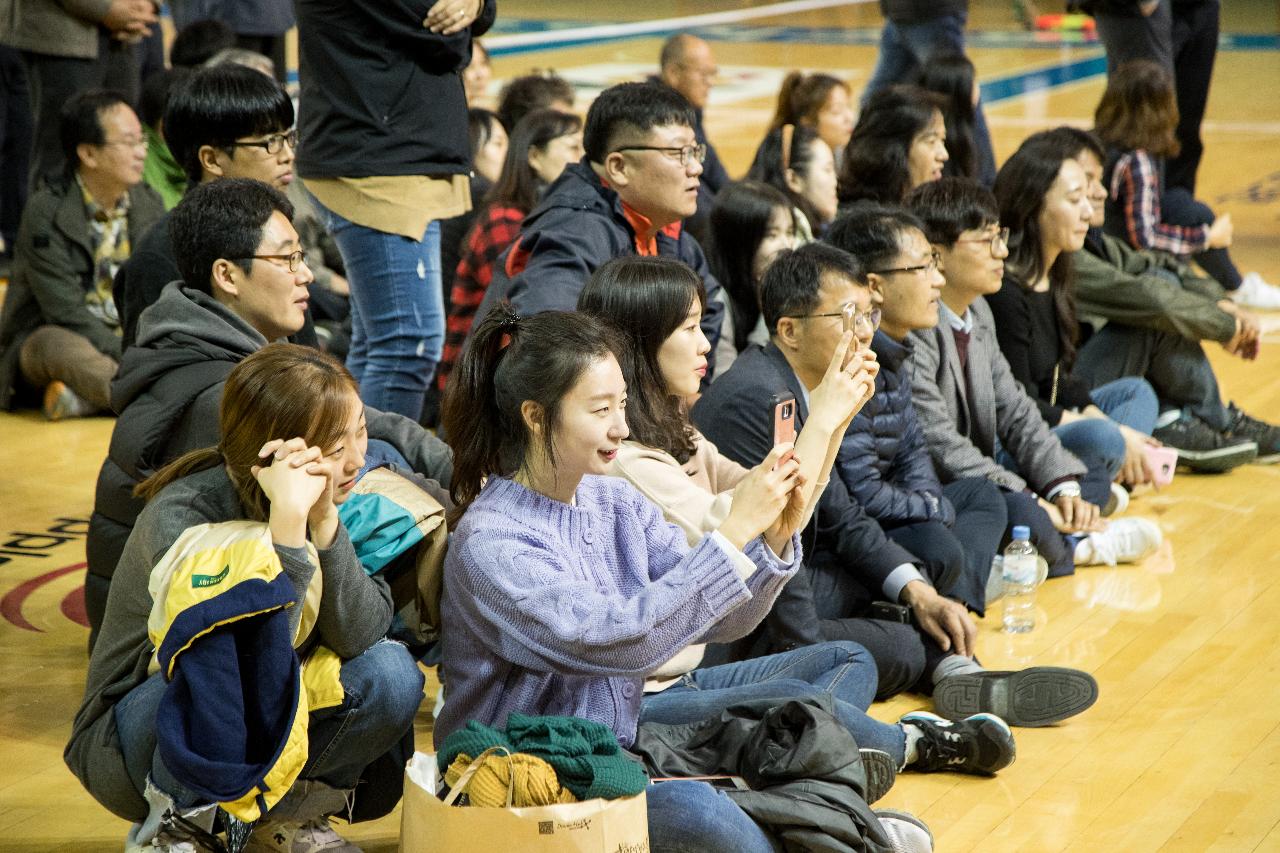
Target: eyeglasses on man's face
(293, 259)
(935, 260)
(688, 154)
(998, 240)
(868, 321)
(273, 143)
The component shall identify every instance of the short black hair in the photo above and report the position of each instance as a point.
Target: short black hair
(156, 92)
(791, 283)
(197, 42)
(1071, 141)
(951, 206)
(219, 105)
(632, 108)
(531, 92)
(221, 219)
(80, 122)
(871, 232)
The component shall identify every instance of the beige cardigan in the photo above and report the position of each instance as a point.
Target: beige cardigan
(695, 496)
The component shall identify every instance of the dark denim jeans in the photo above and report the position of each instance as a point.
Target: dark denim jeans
(845, 671)
(1099, 444)
(397, 311)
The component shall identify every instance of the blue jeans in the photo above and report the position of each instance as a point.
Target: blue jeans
(905, 48)
(1099, 444)
(693, 817)
(844, 671)
(397, 311)
(383, 689)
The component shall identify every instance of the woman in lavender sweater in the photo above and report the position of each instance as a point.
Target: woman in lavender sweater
(564, 588)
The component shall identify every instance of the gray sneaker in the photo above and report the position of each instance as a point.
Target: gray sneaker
(881, 772)
(906, 832)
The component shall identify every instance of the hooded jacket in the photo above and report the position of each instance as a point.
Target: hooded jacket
(167, 394)
(578, 226)
(353, 612)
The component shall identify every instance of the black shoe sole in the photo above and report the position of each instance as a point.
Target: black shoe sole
(880, 771)
(1217, 461)
(1039, 696)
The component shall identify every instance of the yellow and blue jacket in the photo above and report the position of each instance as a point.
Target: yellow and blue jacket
(232, 725)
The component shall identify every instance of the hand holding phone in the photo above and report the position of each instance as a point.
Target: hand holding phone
(784, 422)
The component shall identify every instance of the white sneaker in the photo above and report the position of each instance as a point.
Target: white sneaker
(310, 837)
(1119, 501)
(1125, 540)
(906, 832)
(1256, 293)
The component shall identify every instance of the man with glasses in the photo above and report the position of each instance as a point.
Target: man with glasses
(637, 181)
(978, 421)
(227, 121)
(60, 330)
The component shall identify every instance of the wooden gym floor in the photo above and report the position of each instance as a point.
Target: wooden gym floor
(1182, 751)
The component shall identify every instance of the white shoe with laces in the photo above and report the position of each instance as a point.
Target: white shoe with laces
(1126, 540)
(1255, 292)
(310, 837)
(906, 832)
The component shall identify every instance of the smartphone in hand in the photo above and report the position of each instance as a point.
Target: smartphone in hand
(784, 421)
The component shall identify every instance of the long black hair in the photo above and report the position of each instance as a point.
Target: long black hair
(875, 163)
(789, 147)
(519, 186)
(646, 299)
(739, 221)
(951, 76)
(1021, 186)
(508, 360)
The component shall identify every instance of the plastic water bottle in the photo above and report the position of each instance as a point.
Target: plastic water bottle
(1020, 582)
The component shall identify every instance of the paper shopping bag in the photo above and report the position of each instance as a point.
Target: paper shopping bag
(427, 825)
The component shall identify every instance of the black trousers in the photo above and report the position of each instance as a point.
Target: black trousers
(1183, 37)
(54, 80)
(15, 142)
(957, 559)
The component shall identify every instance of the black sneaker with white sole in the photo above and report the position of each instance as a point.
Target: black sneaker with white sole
(1266, 436)
(1202, 448)
(1036, 696)
(981, 744)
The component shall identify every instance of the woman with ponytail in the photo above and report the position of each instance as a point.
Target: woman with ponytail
(819, 102)
(293, 442)
(565, 588)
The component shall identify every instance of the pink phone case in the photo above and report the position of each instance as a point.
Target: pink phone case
(1163, 461)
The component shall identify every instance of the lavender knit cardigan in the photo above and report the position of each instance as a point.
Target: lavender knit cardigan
(551, 608)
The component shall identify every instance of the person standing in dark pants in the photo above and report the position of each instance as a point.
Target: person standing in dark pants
(15, 146)
(1181, 35)
(70, 47)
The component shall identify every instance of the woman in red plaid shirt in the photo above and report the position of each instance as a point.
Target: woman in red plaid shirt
(542, 144)
(1137, 118)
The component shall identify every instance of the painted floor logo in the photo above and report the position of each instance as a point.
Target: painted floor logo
(22, 548)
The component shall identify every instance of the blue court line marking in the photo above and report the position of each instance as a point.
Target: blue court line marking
(830, 36)
(1013, 86)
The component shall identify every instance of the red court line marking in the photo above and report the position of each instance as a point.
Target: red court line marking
(11, 604)
(73, 607)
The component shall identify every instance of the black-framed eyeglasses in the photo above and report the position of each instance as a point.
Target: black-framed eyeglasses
(867, 319)
(273, 143)
(697, 153)
(935, 260)
(998, 239)
(295, 259)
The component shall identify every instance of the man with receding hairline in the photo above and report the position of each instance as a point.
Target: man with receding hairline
(687, 65)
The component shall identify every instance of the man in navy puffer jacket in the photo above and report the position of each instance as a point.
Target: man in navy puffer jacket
(954, 529)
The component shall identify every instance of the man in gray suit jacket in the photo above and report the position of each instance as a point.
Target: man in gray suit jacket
(977, 419)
